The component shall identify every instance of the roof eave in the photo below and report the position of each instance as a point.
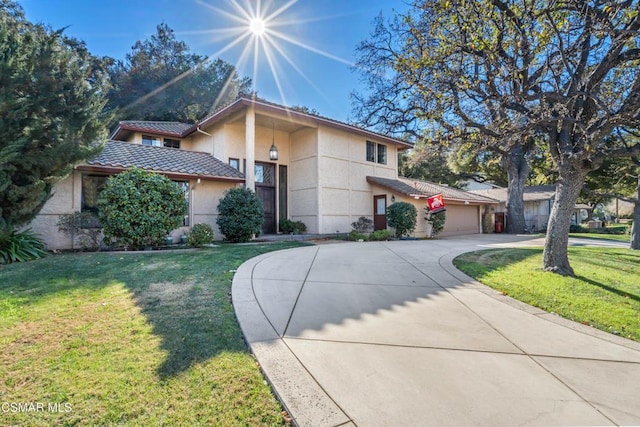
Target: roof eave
(245, 102)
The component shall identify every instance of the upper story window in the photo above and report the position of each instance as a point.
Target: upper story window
(171, 143)
(376, 153)
(234, 163)
(151, 140)
(160, 142)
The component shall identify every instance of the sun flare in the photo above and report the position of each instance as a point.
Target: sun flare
(257, 26)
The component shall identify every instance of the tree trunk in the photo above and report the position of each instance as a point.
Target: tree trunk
(635, 227)
(518, 167)
(555, 256)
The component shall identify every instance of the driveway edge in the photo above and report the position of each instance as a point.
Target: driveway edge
(302, 397)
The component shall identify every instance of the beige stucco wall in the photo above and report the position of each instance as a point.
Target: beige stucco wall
(65, 199)
(204, 199)
(303, 178)
(345, 195)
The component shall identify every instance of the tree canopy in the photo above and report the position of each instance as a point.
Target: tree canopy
(504, 74)
(161, 79)
(52, 94)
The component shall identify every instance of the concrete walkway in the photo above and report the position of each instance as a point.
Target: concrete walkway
(389, 334)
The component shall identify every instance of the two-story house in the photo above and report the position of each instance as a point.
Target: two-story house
(322, 172)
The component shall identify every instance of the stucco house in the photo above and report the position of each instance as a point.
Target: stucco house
(538, 201)
(304, 167)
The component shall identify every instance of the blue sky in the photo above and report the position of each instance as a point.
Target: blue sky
(318, 36)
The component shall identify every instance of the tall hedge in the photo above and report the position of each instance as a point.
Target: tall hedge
(138, 208)
(240, 215)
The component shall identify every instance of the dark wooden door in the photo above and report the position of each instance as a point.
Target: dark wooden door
(266, 191)
(268, 197)
(380, 212)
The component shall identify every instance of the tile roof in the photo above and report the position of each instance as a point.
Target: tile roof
(449, 193)
(531, 193)
(118, 154)
(166, 128)
(423, 189)
(396, 185)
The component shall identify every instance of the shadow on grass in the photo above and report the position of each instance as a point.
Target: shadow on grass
(609, 288)
(185, 297)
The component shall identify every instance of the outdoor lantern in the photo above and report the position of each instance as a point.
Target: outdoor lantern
(273, 151)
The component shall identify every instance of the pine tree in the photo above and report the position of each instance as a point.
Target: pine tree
(51, 101)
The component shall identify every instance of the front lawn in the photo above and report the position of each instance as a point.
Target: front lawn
(605, 292)
(129, 339)
(618, 237)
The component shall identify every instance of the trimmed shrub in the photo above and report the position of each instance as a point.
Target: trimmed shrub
(83, 225)
(363, 225)
(240, 215)
(20, 246)
(288, 226)
(403, 217)
(200, 235)
(139, 208)
(381, 235)
(355, 236)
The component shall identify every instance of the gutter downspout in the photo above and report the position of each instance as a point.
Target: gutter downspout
(208, 134)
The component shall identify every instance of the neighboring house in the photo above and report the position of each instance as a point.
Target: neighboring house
(302, 166)
(538, 200)
(471, 185)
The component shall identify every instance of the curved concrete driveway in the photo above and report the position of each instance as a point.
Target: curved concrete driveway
(388, 334)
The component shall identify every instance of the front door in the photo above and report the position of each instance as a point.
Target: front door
(266, 191)
(380, 212)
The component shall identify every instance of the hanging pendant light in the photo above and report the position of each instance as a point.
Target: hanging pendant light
(273, 151)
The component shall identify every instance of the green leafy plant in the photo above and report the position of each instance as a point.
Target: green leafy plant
(82, 225)
(363, 225)
(437, 221)
(20, 246)
(288, 226)
(403, 217)
(381, 235)
(139, 208)
(240, 215)
(355, 236)
(200, 235)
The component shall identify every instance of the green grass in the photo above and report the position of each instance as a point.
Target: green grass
(618, 237)
(605, 292)
(130, 339)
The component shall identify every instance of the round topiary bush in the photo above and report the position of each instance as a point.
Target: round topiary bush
(200, 235)
(403, 217)
(138, 208)
(240, 215)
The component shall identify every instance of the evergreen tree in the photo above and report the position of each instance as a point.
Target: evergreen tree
(51, 111)
(161, 79)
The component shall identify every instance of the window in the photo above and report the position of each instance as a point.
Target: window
(371, 151)
(92, 185)
(171, 143)
(234, 163)
(151, 140)
(376, 153)
(184, 186)
(382, 154)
